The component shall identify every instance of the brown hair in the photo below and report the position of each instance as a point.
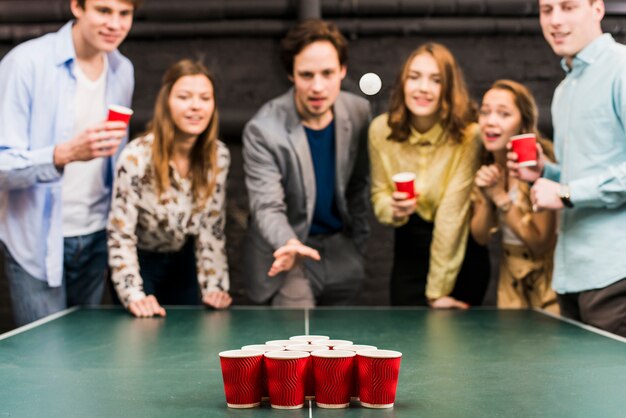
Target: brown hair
(203, 157)
(456, 110)
(525, 103)
(307, 32)
(135, 3)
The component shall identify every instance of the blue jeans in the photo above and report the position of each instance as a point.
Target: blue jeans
(84, 268)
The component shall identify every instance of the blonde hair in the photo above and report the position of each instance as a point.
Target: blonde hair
(203, 156)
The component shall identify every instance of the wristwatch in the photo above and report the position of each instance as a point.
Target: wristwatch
(564, 195)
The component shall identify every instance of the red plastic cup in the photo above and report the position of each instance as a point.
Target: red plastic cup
(264, 348)
(121, 113)
(241, 371)
(378, 377)
(355, 381)
(405, 182)
(310, 378)
(334, 375)
(286, 377)
(525, 146)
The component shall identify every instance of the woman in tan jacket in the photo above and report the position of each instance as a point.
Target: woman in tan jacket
(503, 202)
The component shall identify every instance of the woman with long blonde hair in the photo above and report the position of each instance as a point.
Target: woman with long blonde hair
(429, 131)
(166, 226)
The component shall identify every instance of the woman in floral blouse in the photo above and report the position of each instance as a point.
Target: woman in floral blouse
(166, 226)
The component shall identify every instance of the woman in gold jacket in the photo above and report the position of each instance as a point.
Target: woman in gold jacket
(429, 131)
(503, 202)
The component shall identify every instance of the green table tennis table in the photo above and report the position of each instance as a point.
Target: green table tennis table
(478, 363)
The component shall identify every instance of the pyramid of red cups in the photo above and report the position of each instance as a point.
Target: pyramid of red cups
(333, 373)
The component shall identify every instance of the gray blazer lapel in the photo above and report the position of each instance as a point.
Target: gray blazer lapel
(343, 134)
(297, 137)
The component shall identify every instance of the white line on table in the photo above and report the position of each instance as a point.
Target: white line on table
(306, 321)
(38, 322)
(583, 326)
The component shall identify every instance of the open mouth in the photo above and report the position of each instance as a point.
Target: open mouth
(491, 137)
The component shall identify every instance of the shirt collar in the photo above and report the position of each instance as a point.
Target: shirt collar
(431, 137)
(65, 51)
(589, 53)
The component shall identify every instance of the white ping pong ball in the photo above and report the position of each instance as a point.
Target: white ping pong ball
(370, 83)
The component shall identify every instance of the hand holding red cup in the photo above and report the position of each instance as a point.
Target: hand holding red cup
(405, 183)
(119, 113)
(525, 146)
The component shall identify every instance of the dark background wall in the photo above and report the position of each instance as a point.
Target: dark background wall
(238, 40)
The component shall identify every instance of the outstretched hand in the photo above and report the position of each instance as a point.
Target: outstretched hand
(286, 256)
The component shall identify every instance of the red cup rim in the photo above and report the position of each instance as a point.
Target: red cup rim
(355, 347)
(403, 177)
(240, 353)
(282, 342)
(286, 355)
(523, 136)
(309, 338)
(333, 343)
(379, 353)
(333, 353)
(307, 347)
(121, 109)
(261, 347)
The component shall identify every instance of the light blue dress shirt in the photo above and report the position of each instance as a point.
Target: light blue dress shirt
(589, 116)
(37, 89)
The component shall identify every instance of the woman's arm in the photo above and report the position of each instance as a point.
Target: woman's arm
(483, 219)
(122, 239)
(210, 244)
(451, 222)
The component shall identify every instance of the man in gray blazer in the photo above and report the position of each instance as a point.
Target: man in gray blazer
(307, 175)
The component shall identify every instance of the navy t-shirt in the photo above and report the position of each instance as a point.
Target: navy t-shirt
(326, 219)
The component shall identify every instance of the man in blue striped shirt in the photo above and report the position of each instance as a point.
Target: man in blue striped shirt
(57, 155)
(588, 185)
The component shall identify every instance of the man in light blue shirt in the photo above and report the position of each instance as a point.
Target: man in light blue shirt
(56, 157)
(588, 185)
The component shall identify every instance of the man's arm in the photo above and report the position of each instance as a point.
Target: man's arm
(607, 187)
(265, 190)
(20, 166)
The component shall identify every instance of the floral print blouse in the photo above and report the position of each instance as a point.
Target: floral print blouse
(140, 218)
